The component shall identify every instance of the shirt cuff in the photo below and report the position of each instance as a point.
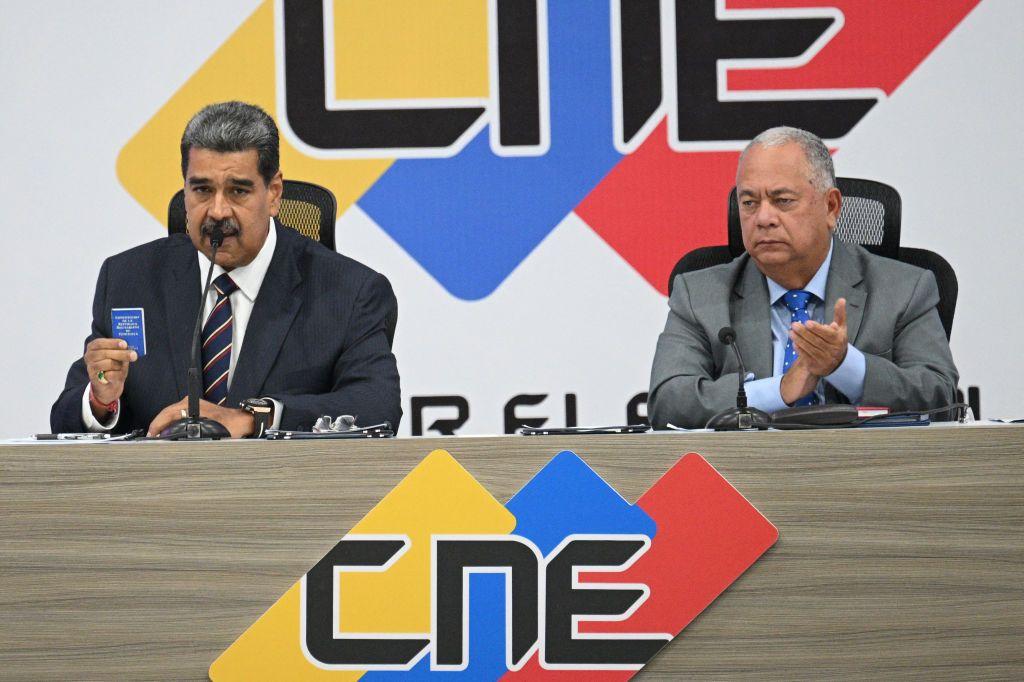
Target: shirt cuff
(765, 394)
(848, 378)
(278, 411)
(92, 424)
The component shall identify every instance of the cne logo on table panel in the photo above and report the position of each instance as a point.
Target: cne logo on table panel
(440, 578)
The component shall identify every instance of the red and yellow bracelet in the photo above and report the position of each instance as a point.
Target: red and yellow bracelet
(94, 401)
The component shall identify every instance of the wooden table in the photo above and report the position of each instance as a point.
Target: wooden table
(901, 552)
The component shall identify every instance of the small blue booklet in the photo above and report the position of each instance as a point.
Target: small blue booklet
(129, 324)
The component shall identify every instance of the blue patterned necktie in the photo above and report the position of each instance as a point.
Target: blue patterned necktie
(796, 300)
(217, 342)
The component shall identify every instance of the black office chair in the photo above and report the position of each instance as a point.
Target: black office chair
(306, 208)
(945, 277)
(871, 216)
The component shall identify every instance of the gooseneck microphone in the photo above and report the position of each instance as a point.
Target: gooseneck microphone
(194, 427)
(741, 417)
(727, 335)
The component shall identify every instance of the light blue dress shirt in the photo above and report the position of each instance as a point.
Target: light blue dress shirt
(848, 378)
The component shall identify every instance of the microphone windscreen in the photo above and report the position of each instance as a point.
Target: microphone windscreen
(727, 335)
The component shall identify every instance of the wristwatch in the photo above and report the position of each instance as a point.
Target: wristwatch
(262, 411)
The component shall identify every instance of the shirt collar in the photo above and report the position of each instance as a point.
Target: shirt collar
(816, 286)
(249, 278)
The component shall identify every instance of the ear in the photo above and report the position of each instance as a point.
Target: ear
(188, 216)
(275, 190)
(833, 204)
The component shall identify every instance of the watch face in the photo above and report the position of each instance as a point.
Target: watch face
(256, 402)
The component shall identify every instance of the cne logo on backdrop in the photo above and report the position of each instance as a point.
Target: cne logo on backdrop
(468, 129)
(441, 579)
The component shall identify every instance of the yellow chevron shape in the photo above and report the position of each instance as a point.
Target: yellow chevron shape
(392, 49)
(437, 497)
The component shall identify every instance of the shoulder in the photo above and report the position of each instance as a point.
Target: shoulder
(717, 278)
(327, 269)
(145, 257)
(879, 271)
(894, 284)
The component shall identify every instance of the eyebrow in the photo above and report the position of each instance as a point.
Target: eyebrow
(745, 192)
(241, 182)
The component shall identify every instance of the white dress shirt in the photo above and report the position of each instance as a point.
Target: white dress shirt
(249, 279)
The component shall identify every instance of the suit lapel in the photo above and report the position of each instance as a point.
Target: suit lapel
(846, 280)
(272, 315)
(181, 293)
(751, 318)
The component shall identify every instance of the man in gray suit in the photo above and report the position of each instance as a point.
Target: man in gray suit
(884, 344)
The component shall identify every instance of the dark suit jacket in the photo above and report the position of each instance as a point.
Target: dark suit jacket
(315, 341)
(890, 316)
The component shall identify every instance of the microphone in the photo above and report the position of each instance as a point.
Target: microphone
(194, 427)
(741, 417)
(727, 335)
(216, 237)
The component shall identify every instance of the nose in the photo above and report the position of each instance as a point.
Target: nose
(219, 208)
(766, 215)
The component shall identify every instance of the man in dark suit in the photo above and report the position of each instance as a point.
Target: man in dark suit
(292, 330)
(884, 346)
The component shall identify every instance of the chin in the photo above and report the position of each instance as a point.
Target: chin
(226, 260)
(771, 258)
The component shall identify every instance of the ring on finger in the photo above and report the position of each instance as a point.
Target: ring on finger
(101, 377)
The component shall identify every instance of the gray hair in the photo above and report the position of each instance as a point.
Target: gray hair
(234, 127)
(823, 173)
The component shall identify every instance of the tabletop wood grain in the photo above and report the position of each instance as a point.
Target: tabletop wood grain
(901, 553)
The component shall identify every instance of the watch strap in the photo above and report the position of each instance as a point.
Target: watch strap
(262, 411)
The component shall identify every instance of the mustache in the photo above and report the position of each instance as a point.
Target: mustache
(227, 226)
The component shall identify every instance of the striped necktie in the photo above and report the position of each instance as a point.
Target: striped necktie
(796, 300)
(217, 342)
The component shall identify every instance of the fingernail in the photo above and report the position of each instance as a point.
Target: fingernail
(134, 356)
(123, 344)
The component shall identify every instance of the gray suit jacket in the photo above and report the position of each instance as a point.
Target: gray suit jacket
(891, 318)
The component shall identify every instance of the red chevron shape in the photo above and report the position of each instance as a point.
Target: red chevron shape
(657, 205)
(708, 535)
(880, 44)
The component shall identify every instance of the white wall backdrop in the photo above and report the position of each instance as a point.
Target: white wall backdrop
(78, 79)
